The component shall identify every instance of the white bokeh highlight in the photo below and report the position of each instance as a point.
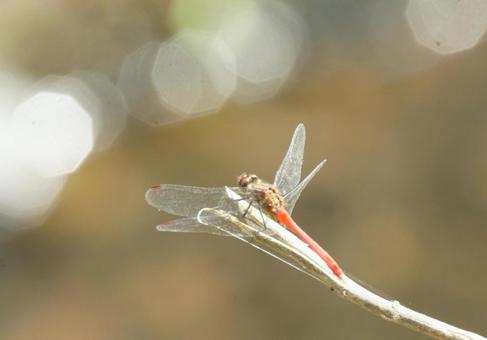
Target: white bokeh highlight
(267, 40)
(194, 73)
(52, 132)
(25, 197)
(242, 50)
(135, 82)
(447, 26)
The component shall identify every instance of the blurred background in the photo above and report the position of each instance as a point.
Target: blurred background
(100, 100)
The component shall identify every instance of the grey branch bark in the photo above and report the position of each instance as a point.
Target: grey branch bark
(290, 250)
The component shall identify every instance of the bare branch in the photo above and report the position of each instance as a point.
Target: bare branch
(290, 250)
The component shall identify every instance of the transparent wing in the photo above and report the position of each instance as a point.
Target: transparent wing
(292, 196)
(191, 225)
(185, 200)
(289, 173)
(212, 224)
(189, 201)
(282, 245)
(234, 206)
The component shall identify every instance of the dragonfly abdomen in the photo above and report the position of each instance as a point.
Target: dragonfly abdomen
(286, 220)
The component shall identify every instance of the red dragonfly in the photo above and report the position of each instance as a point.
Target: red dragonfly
(267, 196)
(275, 200)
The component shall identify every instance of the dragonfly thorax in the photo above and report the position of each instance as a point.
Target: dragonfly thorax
(265, 194)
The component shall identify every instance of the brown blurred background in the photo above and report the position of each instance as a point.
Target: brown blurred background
(401, 203)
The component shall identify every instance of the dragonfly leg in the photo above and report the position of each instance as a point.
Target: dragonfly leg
(248, 208)
(261, 215)
(260, 211)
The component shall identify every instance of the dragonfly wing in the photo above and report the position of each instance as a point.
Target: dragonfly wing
(229, 224)
(191, 225)
(184, 200)
(208, 218)
(289, 173)
(292, 196)
(283, 245)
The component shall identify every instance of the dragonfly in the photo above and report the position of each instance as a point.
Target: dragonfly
(275, 201)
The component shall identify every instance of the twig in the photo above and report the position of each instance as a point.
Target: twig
(284, 246)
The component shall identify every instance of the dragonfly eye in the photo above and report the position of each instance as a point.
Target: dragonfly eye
(245, 179)
(242, 180)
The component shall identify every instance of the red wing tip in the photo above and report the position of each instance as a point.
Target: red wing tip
(163, 225)
(157, 186)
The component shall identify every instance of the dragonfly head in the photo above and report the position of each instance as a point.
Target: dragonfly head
(245, 179)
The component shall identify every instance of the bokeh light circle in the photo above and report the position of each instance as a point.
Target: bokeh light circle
(447, 26)
(52, 132)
